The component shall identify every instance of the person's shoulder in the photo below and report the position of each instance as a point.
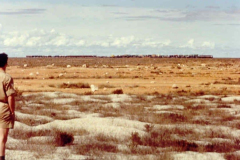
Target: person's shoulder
(7, 77)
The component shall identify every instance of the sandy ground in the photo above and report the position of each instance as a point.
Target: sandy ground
(112, 119)
(190, 75)
(192, 105)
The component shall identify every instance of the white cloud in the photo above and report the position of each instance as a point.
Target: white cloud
(16, 41)
(190, 44)
(104, 44)
(35, 38)
(123, 41)
(204, 45)
(43, 38)
(33, 41)
(80, 43)
(155, 44)
(210, 45)
(60, 40)
(167, 43)
(51, 42)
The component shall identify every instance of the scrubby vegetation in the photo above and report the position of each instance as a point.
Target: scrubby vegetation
(74, 85)
(110, 126)
(145, 108)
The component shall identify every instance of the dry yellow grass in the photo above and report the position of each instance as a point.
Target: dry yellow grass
(132, 75)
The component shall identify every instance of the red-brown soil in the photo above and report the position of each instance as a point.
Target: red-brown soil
(132, 75)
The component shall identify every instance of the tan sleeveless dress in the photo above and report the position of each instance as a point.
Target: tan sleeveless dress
(6, 89)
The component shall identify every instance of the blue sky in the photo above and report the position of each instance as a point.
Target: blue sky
(117, 27)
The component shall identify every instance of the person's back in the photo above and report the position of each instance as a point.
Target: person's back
(7, 104)
(5, 89)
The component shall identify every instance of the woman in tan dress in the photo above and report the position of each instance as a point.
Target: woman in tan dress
(7, 104)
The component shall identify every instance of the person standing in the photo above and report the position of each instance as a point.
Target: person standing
(7, 104)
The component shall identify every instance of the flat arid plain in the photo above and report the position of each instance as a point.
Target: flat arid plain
(126, 108)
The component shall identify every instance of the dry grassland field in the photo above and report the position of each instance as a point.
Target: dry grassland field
(125, 108)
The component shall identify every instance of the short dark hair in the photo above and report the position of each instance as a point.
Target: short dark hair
(3, 59)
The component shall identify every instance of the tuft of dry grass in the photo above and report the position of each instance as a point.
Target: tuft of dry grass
(94, 148)
(117, 91)
(24, 135)
(101, 86)
(74, 85)
(63, 138)
(202, 124)
(231, 156)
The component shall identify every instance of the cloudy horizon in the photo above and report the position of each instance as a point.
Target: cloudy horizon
(107, 27)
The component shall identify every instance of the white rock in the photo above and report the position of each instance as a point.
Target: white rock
(84, 66)
(30, 74)
(231, 99)
(93, 88)
(203, 65)
(49, 66)
(198, 156)
(209, 96)
(69, 66)
(104, 66)
(25, 65)
(174, 86)
(163, 107)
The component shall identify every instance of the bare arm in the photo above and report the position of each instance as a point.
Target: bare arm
(11, 103)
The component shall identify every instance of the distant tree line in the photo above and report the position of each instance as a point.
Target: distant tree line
(123, 56)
